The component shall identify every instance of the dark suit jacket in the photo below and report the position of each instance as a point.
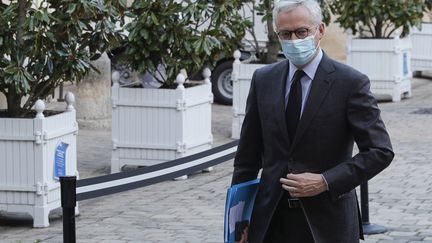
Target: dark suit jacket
(340, 110)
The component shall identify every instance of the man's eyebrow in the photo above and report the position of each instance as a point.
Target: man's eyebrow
(296, 28)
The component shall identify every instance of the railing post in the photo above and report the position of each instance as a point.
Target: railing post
(68, 203)
(368, 228)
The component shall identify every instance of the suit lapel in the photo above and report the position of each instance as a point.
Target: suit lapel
(319, 89)
(279, 89)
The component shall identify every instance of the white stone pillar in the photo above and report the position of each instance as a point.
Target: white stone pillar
(93, 102)
(2, 101)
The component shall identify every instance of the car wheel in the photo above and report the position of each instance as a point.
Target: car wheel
(222, 85)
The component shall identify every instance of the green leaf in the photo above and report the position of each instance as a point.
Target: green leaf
(144, 33)
(32, 23)
(62, 53)
(154, 19)
(28, 76)
(45, 17)
(206, 47)
(38, 15)
(71, 8)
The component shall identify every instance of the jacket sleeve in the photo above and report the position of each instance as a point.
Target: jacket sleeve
(372, 139)
(247, 162)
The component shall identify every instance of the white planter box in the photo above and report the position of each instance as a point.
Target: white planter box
(151, 126)
(27, 152)
(421, 59)
(386, 62)
(241, 77)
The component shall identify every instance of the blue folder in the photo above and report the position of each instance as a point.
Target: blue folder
(238, 207)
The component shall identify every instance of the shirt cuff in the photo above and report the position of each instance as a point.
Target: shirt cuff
(327, 187)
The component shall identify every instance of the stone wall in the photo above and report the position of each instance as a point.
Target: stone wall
(93, 96)
(2, 101)
(334, 42)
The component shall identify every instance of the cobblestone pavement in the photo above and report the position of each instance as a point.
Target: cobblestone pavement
(192, 210)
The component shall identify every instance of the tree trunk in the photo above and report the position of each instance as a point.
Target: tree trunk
(21, 20)
(13, 101)
(13, 98)
(379, 28)
(273, 45)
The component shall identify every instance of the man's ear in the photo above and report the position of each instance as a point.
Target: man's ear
(321, 30)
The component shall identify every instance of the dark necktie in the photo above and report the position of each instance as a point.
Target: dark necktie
(293, 109)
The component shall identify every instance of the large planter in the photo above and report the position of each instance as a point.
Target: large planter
(386, 62)
(241, 77)
(421, 59)
(152, 126)
(28, 151)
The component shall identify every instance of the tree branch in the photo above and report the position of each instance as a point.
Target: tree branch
(252, 30)
(21, 20)
(41, 91)
(391, 32)
(370, 27)
(388, 25)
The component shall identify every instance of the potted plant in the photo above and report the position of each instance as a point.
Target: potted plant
(151, 126)
(379, 45)
(262, 48)
(43, 44)
(421, 59)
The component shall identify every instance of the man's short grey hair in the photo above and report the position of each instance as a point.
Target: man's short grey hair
(288, 5)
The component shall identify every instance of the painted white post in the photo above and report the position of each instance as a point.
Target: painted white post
(39, 108)
(181, 105)
(235, 78)
(235, 130)
(115, 161)
(40, 210)
(206, 74)
(70, 100)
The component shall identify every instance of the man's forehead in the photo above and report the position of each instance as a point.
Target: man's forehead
(295, 18)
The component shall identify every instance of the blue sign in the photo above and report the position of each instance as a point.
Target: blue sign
(405, 64)
(60, 160)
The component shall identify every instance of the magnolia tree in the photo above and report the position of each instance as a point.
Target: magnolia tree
(378, 18)
(46, 43)
(187, 34)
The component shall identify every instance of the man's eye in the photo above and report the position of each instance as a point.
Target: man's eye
(301, 32)
(285, 33)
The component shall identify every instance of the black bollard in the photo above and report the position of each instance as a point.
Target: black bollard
(368, 228)
(68, 203)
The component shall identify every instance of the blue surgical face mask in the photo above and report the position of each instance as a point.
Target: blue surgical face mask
(301, 51)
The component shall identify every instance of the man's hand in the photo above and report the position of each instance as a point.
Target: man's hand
(304, 185)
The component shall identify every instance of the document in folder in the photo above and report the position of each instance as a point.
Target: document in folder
(238, 209)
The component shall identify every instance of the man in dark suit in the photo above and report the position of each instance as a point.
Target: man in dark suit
(302, 118)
